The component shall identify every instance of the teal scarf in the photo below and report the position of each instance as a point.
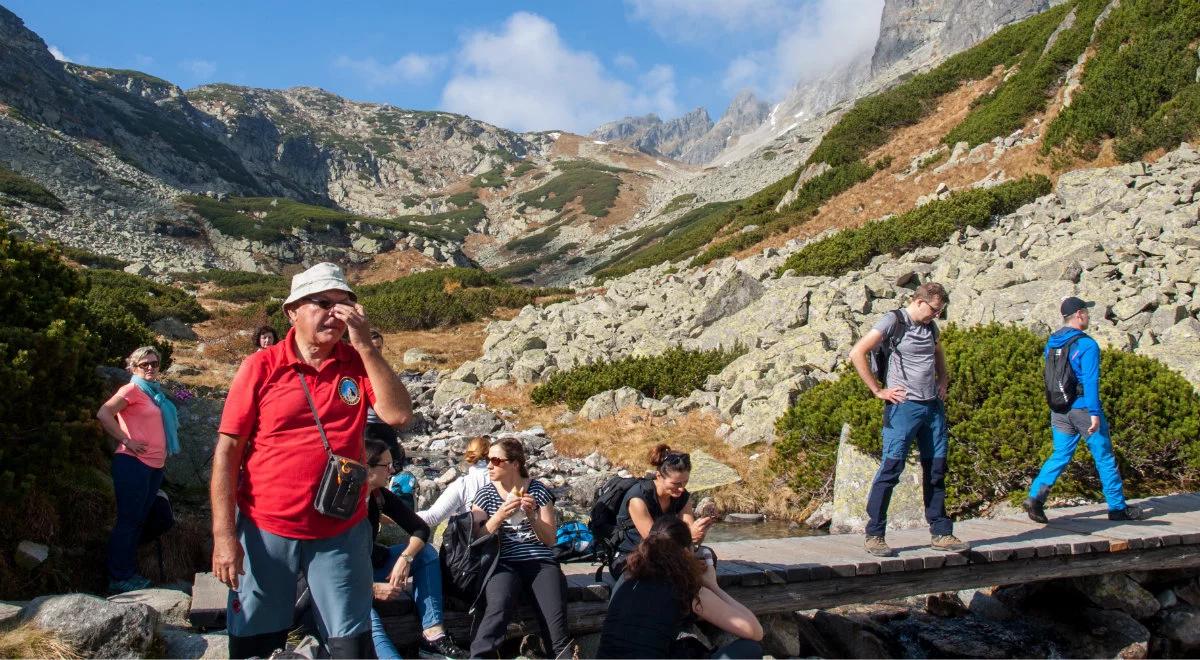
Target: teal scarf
(170, 417)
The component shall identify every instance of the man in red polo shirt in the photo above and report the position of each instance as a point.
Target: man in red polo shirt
(269, 461)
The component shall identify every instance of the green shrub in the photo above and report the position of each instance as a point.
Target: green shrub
(463, 198)
(931, 224)
(593, 184)
(533, 242)
(49, 441)
(999, 423)
(768, 155)
(1145, 56)
(27, 190)
(91, 259)
(244, 293)
(147, 300)
(1027, 91)
(493, 178)
(677, 202)
(1178, 120)
(435, 298)
(229, 278)
(522, 167)
(676, 372)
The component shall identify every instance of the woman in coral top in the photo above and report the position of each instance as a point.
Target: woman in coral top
(142, 421)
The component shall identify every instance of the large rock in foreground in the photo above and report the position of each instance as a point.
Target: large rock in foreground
(94, 626)
(852, 482)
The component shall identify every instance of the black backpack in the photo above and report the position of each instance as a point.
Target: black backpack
(879, 356)
(468, 559)
(603, 522)
(1062, 387)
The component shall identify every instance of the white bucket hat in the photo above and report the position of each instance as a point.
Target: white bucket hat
(321, 277)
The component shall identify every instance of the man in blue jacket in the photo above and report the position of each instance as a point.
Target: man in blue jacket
(1085, 420)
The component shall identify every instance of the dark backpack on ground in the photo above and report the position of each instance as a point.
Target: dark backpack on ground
(1062, 387)
(603, 522)
(468, 559)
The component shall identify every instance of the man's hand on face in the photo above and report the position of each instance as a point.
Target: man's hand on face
(355, 318)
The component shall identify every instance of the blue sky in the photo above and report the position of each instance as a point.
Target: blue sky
(526, 66)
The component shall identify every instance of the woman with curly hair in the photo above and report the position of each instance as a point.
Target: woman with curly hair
(664, 589)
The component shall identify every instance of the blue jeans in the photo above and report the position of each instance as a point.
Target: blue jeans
(427, 595)
(1067, 429)
(135, 485)
(924, 421)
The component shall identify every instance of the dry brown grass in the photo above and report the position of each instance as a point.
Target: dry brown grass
(452, 346)
(28, 641)
(627, 438)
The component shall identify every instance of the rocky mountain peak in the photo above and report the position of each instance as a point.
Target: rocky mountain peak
(744, 114)
(929, 29)
(651, 134)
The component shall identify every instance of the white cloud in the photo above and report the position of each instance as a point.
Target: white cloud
(142, 61)
(524, 77)
(411, 68)
(58, 54)
(824, 35)
(625, 61)
(202, 70)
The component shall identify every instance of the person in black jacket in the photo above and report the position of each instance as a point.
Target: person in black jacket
(394, 565)
(664, 589)
(665, 494)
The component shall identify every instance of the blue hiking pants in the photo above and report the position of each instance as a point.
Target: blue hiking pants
(135, 485)
(925, 422)
(338, 571)
(1067, 429)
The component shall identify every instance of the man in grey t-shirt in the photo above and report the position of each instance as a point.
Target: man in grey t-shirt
(914, 408)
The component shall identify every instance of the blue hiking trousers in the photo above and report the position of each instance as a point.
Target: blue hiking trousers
(1067, 429)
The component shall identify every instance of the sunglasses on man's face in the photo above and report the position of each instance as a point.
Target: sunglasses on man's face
(327, 304)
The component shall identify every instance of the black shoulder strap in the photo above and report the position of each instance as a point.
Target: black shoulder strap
(899, 327)
(313, 407)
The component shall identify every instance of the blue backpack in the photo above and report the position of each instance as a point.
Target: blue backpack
(574, 542)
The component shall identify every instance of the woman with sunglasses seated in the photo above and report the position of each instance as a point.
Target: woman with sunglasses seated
(665, 494)
(393, 565)
(664, 589)
(521, 511)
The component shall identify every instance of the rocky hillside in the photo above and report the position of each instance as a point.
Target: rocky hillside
(673, 138)
(1127, 237)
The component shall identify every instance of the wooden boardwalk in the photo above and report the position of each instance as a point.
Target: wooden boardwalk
(789, 574)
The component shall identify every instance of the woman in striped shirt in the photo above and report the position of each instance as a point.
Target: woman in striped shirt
(521, 511)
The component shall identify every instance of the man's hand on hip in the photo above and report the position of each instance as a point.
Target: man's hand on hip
(1095, 425)
(891, 394)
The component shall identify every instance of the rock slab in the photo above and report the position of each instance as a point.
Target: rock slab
(852, 482)
(98, 628)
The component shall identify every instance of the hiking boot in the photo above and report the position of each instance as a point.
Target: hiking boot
(1128, 513)
(1035, 509)
(134, 582)
(949, 543)
(442, 647)
(878, 547)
